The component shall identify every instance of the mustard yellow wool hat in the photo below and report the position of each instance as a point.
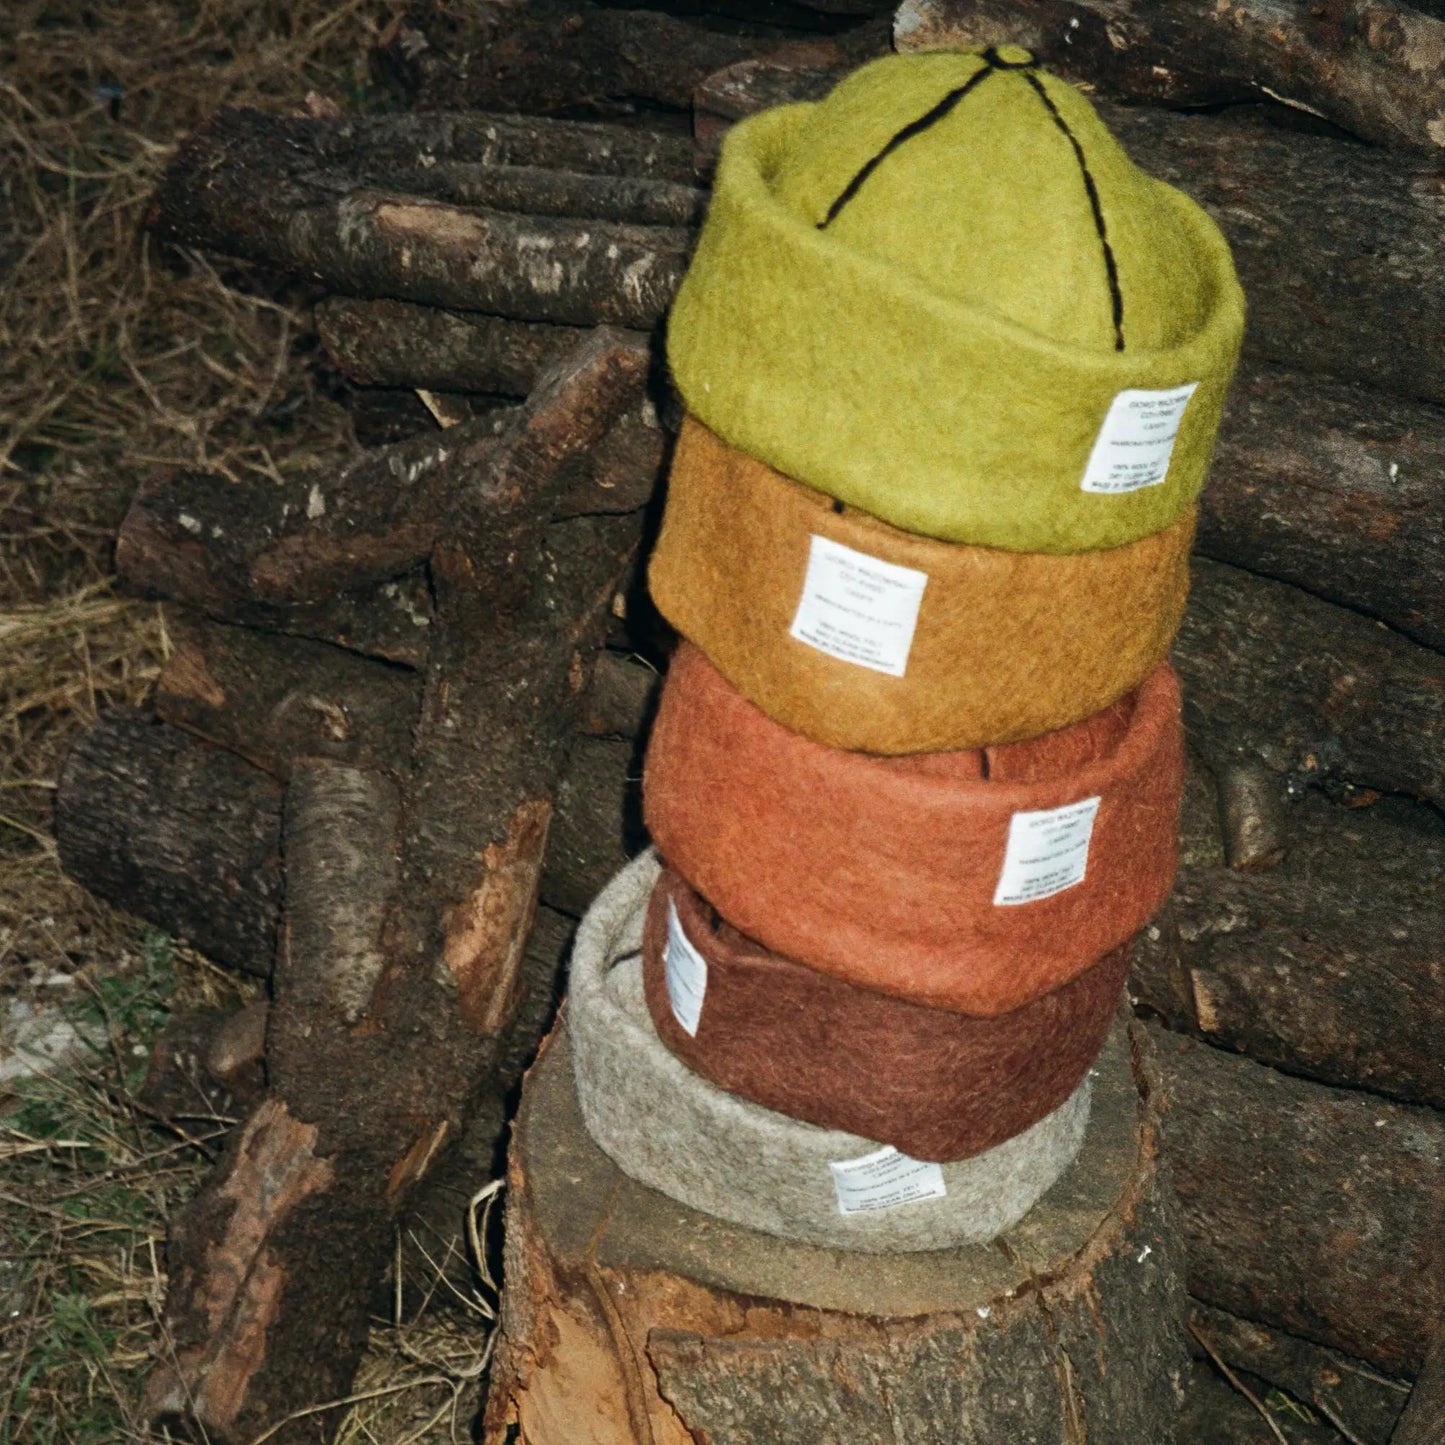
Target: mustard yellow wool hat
(946, 296)
(865, 637)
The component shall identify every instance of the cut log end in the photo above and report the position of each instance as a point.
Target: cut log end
(653, 1323)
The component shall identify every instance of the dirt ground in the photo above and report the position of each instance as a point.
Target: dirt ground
(116, 359)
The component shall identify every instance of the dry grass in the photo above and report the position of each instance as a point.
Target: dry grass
(115, 360)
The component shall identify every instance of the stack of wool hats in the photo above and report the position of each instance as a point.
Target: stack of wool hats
(953, 367)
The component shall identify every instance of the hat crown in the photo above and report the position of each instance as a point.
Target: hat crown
(995, 184)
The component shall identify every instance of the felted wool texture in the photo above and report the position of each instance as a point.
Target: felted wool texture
(883, 870)
(943, 352)
(934, 1083)
(672, 1130)
(1007, 645)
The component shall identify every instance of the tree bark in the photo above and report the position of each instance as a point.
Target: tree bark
(410, 894)
(1320, 1211)
(1320, 694)
(1370, 66)
(553, 57)
(1331, 965)
(188, 836)
(628, 1318)
(1334, 1386)
(397, 343)
(1334, 242)
(272, 699)
(1424, 1417)
(421, 140)
(800, 72)
(272, 555)
(1336, 488)
(179, 832)
(235, 186)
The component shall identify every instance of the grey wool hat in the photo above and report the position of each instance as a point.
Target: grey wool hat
(672, 1130)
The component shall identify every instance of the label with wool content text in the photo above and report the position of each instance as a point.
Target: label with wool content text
(1135, 443)
(883, 1180)
(858, 608)
(1047, 851)
(686, 971)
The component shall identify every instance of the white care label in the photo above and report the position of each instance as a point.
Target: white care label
(1137, 439)
(1047, 852)
(686, 974)
(858, 608)
(883, 1179)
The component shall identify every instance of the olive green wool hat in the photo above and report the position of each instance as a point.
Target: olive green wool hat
(946, 296)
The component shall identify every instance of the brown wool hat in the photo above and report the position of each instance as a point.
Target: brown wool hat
(761, 573)
(973, 880)
(933, 1083)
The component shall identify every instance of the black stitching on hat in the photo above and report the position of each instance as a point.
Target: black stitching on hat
(1115, 295)
(913, 128)
(838, 506)
(999, 63)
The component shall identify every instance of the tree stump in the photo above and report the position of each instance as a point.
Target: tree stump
(631, 1320)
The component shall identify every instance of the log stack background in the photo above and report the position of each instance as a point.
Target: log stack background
(549, 180)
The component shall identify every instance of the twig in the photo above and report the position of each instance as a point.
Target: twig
(1239, 1385)
(1333, 1417)
(357, 1399)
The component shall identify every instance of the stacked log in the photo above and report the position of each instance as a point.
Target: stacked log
(336, 648)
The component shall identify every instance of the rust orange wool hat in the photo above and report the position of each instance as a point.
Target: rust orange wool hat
(862, 636)
(934, 1083)
(974, 880)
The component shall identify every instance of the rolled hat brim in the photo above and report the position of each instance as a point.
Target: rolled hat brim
(758, 572)
(974, 880)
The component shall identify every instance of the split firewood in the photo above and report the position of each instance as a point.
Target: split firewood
(1312, 1209)
(1347, 1391)
(552, 57)
(258, 552)
(236, 187)
(1332, 965)
(410, 894)
(1371, 66)
(1319, 693)
(1334, 242)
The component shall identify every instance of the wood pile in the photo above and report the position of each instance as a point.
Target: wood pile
(382, 770)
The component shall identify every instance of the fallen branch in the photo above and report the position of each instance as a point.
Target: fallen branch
(410, 894)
